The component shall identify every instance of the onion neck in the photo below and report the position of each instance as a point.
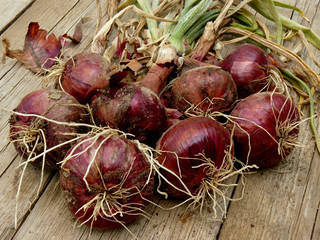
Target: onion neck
(152, 24)
(192, 11)
(156, 77)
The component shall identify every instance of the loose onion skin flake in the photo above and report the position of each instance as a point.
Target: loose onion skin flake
(131, 108)
(28, 132)
(249, 67)
(39, 49)
(270, 120)
(83, 74)
(195, 149)
(207, 88)
(107, 181)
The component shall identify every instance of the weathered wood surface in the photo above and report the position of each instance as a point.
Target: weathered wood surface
(11, 10)
(282, 203)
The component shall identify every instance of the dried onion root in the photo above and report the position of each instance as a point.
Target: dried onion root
(195, 158)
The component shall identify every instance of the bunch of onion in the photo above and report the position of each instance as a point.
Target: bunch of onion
(107, 179)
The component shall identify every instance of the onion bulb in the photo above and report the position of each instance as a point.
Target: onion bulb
(32, 134)
(249, 67)
(266, 127)
(194, 153)
(131, 108)
(107, 181)
(208, 88)
(83, 74)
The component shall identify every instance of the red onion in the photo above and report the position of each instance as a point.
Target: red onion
(107, 181)
(270, 119)
(51, 104)
(180, 147)
(207, 88)
(131, 108)
(249, 67)
(83, 74)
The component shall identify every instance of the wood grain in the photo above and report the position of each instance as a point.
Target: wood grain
(281, 203)
(11, 10)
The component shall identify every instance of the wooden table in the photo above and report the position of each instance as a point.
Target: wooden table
(282, 203)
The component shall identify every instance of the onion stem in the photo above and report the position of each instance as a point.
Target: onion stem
(267, 7)
(311, 36)
(152, 24)
(155, 4)
(186, 20)
(283, 5)
(249, 23)
(288, 73)
(199, 25)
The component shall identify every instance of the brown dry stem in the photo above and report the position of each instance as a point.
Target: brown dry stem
(102, 37)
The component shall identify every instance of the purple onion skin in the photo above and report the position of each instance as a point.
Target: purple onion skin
(257, 108)
(188, 138)
(249, 67)
(118, 157)
(84, 74)
(47, 103)
(196, 85)
(133, 109)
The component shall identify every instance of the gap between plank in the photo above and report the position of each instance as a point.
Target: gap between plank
(229, 204)
(16, 17)
(315, 221)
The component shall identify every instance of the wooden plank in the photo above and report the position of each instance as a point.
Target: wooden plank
(11, 10)
(8, 185)
(289, 195)
(47, 16)
(163, 224)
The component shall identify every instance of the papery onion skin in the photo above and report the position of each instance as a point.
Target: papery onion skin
(270, 111)
(186, 139)
(131, 108)
(83, 74)
(208, 88)
(117, 157)
(249, 67)
(52, 104)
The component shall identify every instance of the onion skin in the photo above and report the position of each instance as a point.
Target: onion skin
(249, 67)
(117, 157)
(188, 138)
(199, 84)
(257, 108)
(131, 108)
(83, 74)
(45, 102)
